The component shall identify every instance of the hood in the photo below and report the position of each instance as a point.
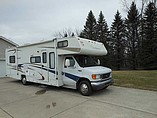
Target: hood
(98, 69)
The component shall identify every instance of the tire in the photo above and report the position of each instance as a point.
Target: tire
(24, 80)
(85, 88)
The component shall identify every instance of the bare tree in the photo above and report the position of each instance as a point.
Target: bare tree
(126, 4)
(77, 32)
(67, 32)
(143, 3)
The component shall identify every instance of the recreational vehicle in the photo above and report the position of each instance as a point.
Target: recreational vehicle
(66, 62)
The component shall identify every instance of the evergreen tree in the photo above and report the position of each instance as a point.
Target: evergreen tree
(89, 31)
(102, 29)
(149, 43)
(133, 42)
(103, 36)
(118, 41)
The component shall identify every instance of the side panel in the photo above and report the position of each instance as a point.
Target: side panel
(37, 62)
(11, 63)
(31, 71)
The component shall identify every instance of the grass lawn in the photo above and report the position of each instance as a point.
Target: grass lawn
(141, 79)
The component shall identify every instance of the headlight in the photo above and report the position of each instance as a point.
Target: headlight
(95, 76)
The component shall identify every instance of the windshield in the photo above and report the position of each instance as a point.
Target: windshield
(85, 60)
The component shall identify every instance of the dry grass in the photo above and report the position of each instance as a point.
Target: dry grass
(136, 79)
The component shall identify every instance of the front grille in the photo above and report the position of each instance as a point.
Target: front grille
(105, 76)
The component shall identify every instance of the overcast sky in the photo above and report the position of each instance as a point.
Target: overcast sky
(29, 21)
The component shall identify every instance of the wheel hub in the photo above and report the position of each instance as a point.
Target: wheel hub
(84, 88)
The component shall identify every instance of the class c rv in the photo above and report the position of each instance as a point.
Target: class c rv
(65, 62)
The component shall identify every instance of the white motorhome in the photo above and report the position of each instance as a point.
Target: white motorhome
(66, 62)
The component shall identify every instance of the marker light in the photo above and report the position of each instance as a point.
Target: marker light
(94, 76)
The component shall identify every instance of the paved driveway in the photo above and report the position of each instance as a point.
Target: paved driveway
(39, 101)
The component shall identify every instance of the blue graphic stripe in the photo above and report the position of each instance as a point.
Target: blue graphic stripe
(71, 76)
(68, 75)
(52, 71)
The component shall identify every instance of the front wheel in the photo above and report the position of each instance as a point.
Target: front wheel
(85, 88)
(24, 80)
(105, 87)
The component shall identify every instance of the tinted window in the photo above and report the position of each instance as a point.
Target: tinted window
(12, 59)
(85, 61)
(44, 56)
(36, 59)
(52, 60)
(62, 44)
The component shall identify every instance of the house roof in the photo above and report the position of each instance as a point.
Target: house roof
(9, 41)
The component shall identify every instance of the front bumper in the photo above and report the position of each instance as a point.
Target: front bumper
(98, 85)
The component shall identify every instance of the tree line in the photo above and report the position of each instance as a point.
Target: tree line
(131, 42)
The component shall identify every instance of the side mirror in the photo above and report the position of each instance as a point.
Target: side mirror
(98, 61)
(67, 62)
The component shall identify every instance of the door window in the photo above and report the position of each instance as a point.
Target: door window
(52, 60)
(12, 59)
(72, 62)
(44, 57)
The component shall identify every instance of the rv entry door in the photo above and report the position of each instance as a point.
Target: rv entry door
(44, 66)
(52, 68)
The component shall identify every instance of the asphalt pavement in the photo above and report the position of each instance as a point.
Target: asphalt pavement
(40, 101)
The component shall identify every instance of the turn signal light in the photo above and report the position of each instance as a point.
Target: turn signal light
(94, 76)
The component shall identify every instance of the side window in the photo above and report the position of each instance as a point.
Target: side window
(36, 59)
(12, 59)
(72, 61)
(52, 60)
(62, 44)
(44, 57)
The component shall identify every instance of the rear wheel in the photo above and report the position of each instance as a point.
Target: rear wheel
(24, 80)
(85, 88)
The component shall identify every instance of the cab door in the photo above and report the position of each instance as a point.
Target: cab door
(70, 72)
